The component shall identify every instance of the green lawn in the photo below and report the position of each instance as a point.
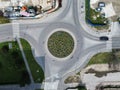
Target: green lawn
(34, 67)
(12, 67)
(101, 58)
(60, 44)
(4, 20)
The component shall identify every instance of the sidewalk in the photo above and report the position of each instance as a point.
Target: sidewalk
(25, 60)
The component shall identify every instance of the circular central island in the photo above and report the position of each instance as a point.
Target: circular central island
(60, 44)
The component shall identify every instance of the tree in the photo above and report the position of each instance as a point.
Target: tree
(1, 65)
(5, 49)
(15, 54)
(25, 79)
(19, 62)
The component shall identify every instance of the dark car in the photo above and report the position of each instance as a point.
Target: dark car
(31, 12)
(104, 38)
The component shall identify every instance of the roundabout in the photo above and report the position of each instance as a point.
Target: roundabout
(71, 31)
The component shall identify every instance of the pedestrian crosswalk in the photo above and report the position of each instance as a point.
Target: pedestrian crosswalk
(109, 44)
(116, 42)
(15, 27)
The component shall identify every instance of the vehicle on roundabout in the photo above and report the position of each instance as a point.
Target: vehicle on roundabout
(104, 38)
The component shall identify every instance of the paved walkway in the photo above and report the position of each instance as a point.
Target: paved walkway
(25, 60)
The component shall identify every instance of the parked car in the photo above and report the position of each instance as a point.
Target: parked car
(104, 38)
(6, 14)
(31, 12)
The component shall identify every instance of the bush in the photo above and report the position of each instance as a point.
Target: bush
(5, 49)
(1, 65)
(19, 62)
(15, 54)
(25, 79)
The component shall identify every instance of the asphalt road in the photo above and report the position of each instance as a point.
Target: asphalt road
(36, 33)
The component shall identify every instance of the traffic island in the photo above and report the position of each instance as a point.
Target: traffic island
(60, 44)
(95, 19)
(36, 70)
